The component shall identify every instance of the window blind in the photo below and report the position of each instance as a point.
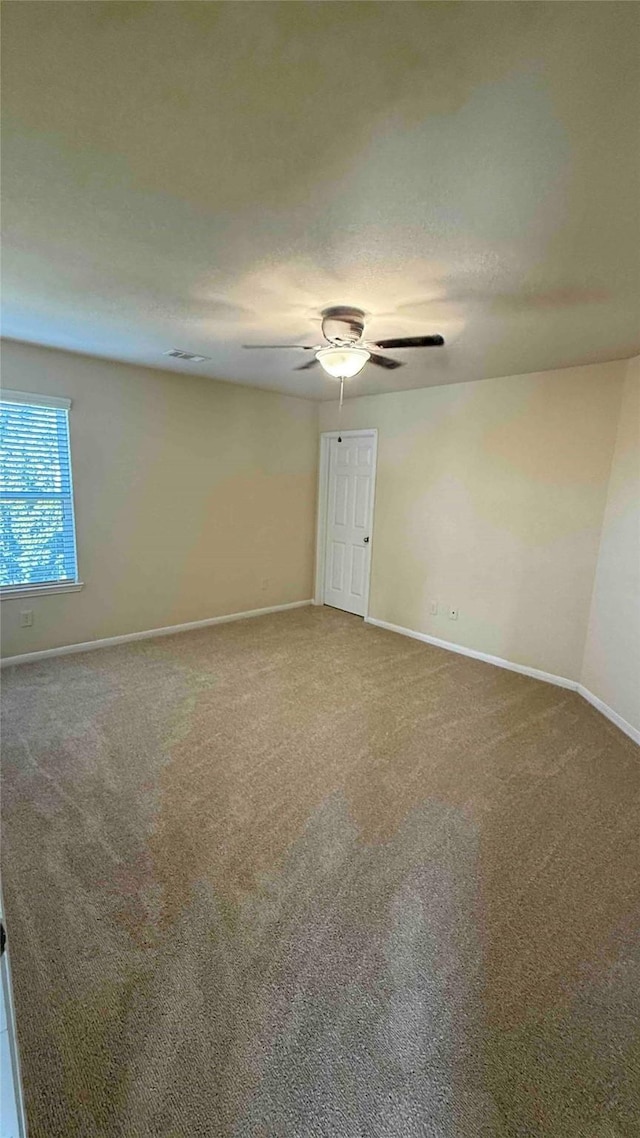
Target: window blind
(37, 530)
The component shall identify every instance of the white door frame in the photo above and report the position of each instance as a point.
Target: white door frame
(323, 503)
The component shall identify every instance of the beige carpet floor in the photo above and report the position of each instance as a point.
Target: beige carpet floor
(298, 877)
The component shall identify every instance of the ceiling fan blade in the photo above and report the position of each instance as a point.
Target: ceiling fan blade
(385, 361)
(310, 363)
(299, 347)
(411, 342)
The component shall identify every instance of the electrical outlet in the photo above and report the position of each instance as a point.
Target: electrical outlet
(453, 614)
(433, 608)
(265, 584)
(26, 618)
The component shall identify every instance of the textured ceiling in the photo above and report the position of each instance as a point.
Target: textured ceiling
(200, 175)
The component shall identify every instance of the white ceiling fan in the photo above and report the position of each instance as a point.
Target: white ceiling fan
(347, 350)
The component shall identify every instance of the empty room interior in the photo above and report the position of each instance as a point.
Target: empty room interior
(320, 569)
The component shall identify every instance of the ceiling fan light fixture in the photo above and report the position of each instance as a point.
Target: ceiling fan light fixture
(342, 363)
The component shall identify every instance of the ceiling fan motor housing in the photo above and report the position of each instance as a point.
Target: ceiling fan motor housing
(343, 325)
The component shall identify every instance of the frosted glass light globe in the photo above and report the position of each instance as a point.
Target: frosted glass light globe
(342, 363)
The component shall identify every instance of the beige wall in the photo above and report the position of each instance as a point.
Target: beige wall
(489, 499)
(611, 668)
(189, 493)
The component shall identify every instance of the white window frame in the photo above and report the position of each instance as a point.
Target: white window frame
(47, 588)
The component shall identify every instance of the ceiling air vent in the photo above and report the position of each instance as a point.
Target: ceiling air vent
(176, 354)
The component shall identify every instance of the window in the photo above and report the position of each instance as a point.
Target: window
(37, 531)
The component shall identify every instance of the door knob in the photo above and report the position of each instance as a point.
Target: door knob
(366, 540)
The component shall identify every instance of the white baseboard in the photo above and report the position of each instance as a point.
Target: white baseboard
(498, 661)
(148, 634)
(535, 673)
(600, 705)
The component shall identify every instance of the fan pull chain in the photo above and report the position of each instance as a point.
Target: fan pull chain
(340, 407)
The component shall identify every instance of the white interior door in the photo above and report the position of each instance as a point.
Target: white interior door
(349, 521)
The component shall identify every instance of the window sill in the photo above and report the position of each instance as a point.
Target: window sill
(12, 594)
